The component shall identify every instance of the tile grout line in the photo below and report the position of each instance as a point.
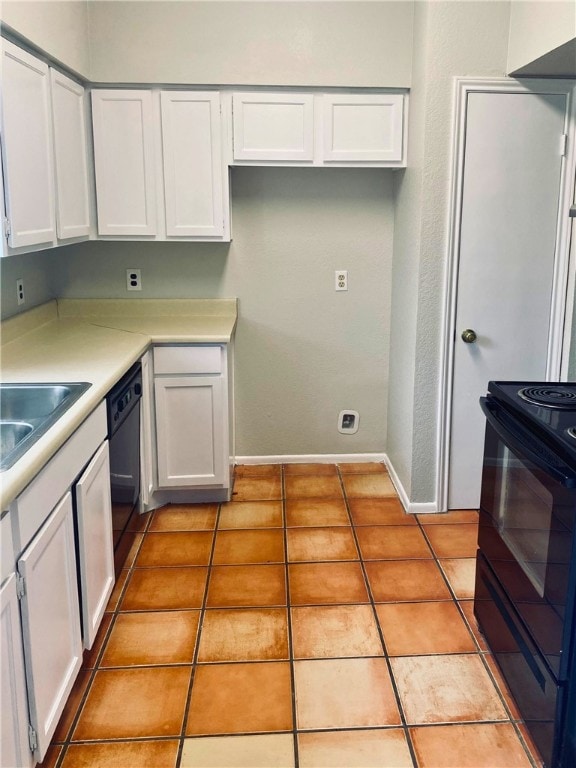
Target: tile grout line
(480, 652)
(96, 668)
(404, 722)
(64, 745)
(194, 664)
(67, 741)
(289, 619)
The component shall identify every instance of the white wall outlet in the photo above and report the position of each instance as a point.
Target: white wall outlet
(341, 280)
(348, 422)
(20, 291)
(133, 280)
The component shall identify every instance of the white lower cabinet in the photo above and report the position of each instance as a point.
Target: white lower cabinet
(50, 621)
(191, 414)
(14, 746)
(189, 431)
(61, 557)
(95, 542)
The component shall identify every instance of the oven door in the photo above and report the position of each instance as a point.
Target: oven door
(539, 696)
(526, 530)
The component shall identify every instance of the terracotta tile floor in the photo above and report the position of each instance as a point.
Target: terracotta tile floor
(309, 622)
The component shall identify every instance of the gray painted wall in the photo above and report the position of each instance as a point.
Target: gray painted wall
(451, 39)
(303, 351)
(58, 27)
(38, 272)
(252, 43)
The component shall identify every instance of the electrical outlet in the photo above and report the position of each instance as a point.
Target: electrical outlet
(133, 280)
(348, 422)
(20, 291)
(341, 280)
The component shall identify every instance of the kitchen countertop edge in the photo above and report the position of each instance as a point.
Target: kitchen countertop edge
(98, 347)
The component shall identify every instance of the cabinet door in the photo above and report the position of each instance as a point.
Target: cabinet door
(363, 128)
(147, 438)
(190, 431)
(95, 544)
(14, 749)
(50, 621)
(193, 168)
(269, 126)
(70, 157)
(123, 123)
(27, 148)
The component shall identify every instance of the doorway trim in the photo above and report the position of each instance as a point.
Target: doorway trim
(562, 303)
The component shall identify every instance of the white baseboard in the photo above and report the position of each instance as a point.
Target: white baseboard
(313, 458)
(419, 508)
(413, 507)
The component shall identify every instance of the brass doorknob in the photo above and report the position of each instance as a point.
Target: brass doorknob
(469, 336)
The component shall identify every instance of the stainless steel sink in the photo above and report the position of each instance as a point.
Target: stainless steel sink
(27, 411)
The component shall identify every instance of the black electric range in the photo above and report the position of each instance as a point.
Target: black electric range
(525, 597)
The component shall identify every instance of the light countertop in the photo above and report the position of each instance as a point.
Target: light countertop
(95, 340)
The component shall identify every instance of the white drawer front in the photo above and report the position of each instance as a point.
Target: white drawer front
(52, 482)
(188, 359)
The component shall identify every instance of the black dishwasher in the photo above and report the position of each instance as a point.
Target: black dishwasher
(123, 409)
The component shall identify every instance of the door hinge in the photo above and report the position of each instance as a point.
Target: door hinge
(32, 738)
(563, 144)
(6, 227)
(20, 586)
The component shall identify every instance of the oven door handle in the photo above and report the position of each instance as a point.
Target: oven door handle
(523, 445)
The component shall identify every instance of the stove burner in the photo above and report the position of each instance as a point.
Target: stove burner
(571, 431)
(549, 397)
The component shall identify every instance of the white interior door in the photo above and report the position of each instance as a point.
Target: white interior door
(509, 214)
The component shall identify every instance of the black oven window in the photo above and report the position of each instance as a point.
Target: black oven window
(524, 515)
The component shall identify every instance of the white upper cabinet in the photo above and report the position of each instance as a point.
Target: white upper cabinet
(273, 126)
(318, 128)
(193, 165)
(364, 128)
(45, 153)
(159, 165)
(123, 124)
(71, 157)
(28, 160)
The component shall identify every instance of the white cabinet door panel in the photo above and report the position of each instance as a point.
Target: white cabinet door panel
(192, 150)
(189, 427)
(14, 749)
(27, 148)
(270, 126)
(123, 123)
(363, 128)
(95, 542)
(71, 157)
(50, 621)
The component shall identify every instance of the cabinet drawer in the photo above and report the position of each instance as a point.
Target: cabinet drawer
(48, 487)
(187, 359)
